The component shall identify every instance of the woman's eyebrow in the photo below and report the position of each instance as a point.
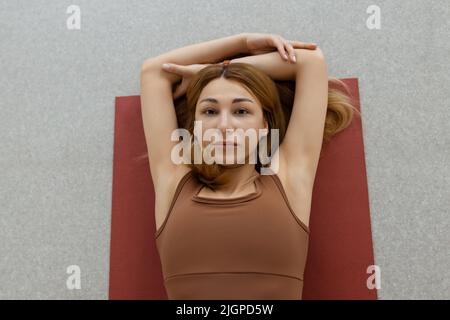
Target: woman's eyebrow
(234, 100)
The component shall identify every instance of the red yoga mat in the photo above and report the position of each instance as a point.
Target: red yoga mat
(340, 248)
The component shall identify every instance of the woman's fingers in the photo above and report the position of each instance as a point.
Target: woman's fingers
(180, 89)
(177, 92)
(286, 47)
(290, 50)
(304, 45)
(279, 44)
(174, 68)
(167, 66)
(290, 45)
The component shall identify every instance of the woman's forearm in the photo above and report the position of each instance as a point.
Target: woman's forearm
(211, 51)
(273, 65)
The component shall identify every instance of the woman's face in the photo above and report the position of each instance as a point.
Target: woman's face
(224, 104)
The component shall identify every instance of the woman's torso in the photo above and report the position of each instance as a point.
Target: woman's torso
(298, 194)
(250, 246)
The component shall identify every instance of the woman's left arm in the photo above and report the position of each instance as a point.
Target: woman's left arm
(304, 136)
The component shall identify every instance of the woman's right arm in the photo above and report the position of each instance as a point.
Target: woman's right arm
(157, 106)
(159, 121)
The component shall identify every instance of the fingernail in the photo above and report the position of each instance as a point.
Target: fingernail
(294, 58)
(166, 66)
(285, 56)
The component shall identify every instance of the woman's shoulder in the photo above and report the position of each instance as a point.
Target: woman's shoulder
(295, 190)
(182, 173)
(169, 181)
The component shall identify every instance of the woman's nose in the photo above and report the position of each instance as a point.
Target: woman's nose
(224, 121)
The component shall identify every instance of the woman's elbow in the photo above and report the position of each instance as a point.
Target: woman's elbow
(150, 64)
(306, 54)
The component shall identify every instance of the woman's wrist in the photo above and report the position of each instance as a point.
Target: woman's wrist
(243, 44)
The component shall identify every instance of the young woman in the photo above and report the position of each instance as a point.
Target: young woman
(224, 230)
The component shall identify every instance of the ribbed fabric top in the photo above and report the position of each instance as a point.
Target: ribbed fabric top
(248, 247)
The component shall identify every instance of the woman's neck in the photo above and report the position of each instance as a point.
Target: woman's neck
(240, 179)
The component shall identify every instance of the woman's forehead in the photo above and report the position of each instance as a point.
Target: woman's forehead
(223, 90)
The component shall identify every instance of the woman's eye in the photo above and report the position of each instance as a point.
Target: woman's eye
(212, 111)
(244, 111)
(207, 110)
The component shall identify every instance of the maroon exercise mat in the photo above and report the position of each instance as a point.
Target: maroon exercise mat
(340, 248)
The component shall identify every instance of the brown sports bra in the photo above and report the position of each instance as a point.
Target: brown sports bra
(249, 247)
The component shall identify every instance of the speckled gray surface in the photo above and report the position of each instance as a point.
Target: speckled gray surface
(57, 120)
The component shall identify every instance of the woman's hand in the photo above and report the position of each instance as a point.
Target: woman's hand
(258, 43)
(186, 72)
